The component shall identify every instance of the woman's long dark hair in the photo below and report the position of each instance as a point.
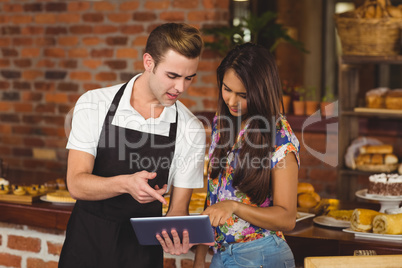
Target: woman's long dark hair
(255, 66)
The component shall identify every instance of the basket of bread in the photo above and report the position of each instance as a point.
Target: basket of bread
(308, 200)
(376, 158)
(384, 98)
(371, 29)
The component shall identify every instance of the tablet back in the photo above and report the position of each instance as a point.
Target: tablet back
(198, 227)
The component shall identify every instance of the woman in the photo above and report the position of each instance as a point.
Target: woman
(253, 168)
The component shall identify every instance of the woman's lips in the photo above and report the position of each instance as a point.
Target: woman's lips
(172, 96)
(233, 109)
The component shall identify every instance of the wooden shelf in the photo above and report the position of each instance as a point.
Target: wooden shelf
(371, 59)
(380, 113)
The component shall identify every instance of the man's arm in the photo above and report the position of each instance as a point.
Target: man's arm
(82, 184)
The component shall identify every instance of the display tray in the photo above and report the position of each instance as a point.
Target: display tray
(374, 236)
(23, 199)
(44, 198)
(377, 110)
(303, 216)
(363, 194)
(331, 222)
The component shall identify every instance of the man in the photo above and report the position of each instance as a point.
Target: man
(127, 144)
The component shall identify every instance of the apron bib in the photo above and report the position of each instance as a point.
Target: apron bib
(99, 233)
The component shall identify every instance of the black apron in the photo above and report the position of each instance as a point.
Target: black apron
(99, 233)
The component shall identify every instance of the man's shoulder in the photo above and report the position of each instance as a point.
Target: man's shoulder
(185, 114)
(104, 94)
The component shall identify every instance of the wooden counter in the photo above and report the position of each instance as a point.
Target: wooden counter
(307, 239)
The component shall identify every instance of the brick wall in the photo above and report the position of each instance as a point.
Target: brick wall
(24, 246)
(54, 51)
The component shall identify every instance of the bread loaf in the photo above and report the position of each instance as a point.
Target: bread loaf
(304, 187)
(393, 99)
(306, 200)
(344, 215)
(390, 159)
(376, 149)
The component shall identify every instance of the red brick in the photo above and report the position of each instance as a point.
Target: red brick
(4, 63)
(130, 5)
(126, 53)
(45, 108)
(144, 16)
(34, 142)
(5, 106)
(45, 41)
(47, 63)
(69, 18)
(5, 129)
(10, 260)
(105, 29)
(11, 140)
(44, 86)
(39, 263)
(132, 29)
(169, 263)
(78, 53)
(24, 152)
(81, 29)
(155, 5)
(56, 97)
(67, 41)
(223, 4)
(188, 103)
(56, 7)
(78, 6)
(22, 41)
(22, 63)
(209, 79)
(9, 52)
(172, 16)
(90, 86)
(116, 64)
(210, 105)
(31, 96)
(21, 19)
(5, 41)
(203, 16)
(32, 30)
(119, 17)
(106, 76)
(54, 120)
(116, 41)
(203, 91)
(34, 7)
(5, 19)
(24, 243)
(185, 4)
(12, 8)
(54, 52)
(23, 107)
(207, 66)
(68, 87)
(30, 52)
(21, 85)
(32, 119)
(31, 74)
(83, 76)
(46, 18)
(140, 41)
(91, 41)
(92, 17)
(104, 6)
(68, 64)
(4, 85)
(102, 53)
(92, 64)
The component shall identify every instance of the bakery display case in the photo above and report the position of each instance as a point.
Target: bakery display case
(352, 108)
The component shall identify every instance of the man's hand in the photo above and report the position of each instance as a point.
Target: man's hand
(140, 189)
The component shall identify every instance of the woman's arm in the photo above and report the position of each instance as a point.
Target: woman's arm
(281, 216)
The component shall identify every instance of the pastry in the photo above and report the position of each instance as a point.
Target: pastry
(60, 196)
(344, 215)
(388, 224)
(304, 187)
(4, 189)
(375, 98)
(306, 200)
(18, 190)
(393, 99)
(61, 184)
(376, 149)
(385, 185)
(362, 219)
(33, 189)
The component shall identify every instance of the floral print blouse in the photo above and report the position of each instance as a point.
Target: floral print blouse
(236, 229)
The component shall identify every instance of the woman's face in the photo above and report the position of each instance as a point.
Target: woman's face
(234, 93)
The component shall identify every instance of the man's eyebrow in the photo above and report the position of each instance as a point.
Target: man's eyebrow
(178, 75)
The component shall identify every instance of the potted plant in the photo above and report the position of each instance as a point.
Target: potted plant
(299, 105)
(327, 105)
(312, 102)
(287, 90)
(263, 29)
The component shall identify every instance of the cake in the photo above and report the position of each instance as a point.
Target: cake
(385, 185)
(60, 196)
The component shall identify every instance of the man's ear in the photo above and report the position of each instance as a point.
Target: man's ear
(148, 62)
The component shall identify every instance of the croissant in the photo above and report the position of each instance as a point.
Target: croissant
(388, 224)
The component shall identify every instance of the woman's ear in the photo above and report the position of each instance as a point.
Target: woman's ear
(148, 62)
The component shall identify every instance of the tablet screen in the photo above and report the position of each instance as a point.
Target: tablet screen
(198, 226)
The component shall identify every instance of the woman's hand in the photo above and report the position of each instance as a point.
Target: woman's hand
(220, 212)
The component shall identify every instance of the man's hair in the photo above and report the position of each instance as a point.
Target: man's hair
(180, 37)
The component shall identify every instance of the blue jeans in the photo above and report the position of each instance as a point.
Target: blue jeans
(270, 251)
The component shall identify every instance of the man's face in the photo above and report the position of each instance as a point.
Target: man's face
(172, 77)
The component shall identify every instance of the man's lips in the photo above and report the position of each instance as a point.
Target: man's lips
(172, 96)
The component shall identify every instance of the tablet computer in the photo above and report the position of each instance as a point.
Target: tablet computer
(198, 226)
